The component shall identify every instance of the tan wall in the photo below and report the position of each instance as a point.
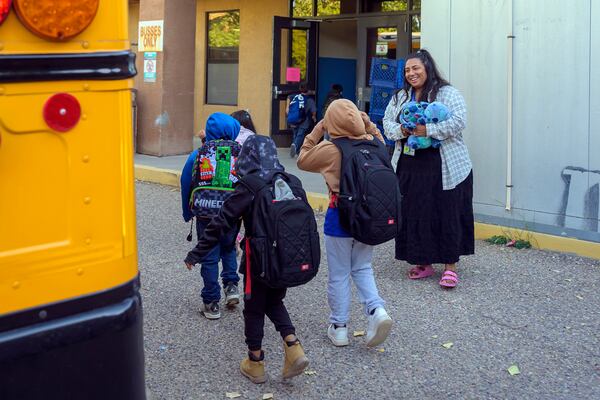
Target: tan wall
(338, 39)
(255, 63)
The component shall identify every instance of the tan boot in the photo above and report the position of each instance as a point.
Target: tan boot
(295, 361)
(253, 370)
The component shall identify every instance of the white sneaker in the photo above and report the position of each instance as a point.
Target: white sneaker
(338, 336)
(379, 327)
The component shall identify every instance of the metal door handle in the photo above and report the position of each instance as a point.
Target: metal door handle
(276, 92)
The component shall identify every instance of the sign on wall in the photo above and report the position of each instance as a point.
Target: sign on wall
(381, 49)
(150, 66)
(150, 36)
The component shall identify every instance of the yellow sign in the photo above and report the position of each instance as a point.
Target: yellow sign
(150, 37)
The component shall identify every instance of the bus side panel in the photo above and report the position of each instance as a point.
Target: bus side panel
(66, 199)
(92, 355)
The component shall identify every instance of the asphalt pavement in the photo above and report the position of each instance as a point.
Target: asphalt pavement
(536, 310)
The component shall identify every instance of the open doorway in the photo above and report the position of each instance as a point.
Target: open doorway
(347, 48)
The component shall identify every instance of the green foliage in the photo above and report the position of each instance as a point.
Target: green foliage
(224, 29)
(328, 7)
(512, 239)
(399, 5)
(302, 8)
(299, 40)
(498, 239)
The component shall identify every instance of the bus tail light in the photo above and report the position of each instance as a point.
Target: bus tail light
(62, 112)
(4, 9)
(56, 19)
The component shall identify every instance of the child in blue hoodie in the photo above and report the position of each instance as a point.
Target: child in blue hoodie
(219, 126)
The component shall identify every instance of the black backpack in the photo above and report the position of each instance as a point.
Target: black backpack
(369, 198)
(282, 245)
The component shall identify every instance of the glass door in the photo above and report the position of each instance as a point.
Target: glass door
(294, 61)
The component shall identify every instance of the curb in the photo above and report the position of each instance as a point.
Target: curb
(161, 176)
(320, 202)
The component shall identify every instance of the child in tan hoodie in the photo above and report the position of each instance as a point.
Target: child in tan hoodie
(346, 257)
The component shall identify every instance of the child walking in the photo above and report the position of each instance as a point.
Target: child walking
(219, 127)
(347, 258)
(258, 157)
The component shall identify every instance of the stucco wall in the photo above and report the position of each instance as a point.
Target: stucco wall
(338, 39)
(255, 59)
(556, 140)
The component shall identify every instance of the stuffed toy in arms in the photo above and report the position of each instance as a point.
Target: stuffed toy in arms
(416, 113)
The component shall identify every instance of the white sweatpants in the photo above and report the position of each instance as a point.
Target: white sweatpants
(347, 258)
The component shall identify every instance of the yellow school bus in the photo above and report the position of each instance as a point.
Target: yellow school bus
(70, 310)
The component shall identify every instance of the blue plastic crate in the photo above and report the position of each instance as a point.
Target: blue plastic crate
(376, 117)
(400, 73)
(380, 97)
(384, 72)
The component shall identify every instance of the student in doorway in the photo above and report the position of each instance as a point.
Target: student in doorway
(258, 157)
(301, 112)
(347, 259)
(334, 94)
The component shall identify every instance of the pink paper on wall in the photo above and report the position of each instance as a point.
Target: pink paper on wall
(292, 74)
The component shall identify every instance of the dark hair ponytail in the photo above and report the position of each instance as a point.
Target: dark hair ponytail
(243, 117)
(434, 81)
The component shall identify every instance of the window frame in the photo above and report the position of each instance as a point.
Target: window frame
(409, 13)
(359, 13)
(206, 58)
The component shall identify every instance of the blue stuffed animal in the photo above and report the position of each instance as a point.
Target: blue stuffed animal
(421, 113)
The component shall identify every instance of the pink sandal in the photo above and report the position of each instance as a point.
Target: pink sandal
(420, 271)
(449, 279)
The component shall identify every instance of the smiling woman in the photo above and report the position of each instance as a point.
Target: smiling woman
(436, 183)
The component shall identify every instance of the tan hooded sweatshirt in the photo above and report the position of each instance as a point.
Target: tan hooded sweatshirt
(342, 119)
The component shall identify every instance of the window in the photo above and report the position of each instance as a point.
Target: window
(222, 57)
(335, 7)
(299, 43)
(302, 8)
(332, 8)
(385, 5)
(415, 33)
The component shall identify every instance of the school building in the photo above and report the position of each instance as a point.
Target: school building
(528, 71)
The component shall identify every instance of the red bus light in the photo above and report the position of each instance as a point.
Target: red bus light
(4, 9)
(56, 19)
(62, 112)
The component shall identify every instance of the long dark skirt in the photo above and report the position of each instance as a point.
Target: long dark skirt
(437, 225)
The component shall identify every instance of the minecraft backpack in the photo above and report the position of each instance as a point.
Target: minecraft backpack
(213, 177)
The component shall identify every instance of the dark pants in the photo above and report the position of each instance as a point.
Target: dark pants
(299, 135)
(224, 251)
(269, 302)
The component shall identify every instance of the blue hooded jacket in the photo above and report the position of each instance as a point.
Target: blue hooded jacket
(218, 126)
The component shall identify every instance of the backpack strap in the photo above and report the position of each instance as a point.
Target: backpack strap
(348, 147)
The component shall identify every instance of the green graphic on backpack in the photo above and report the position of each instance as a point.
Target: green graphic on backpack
(213, 177)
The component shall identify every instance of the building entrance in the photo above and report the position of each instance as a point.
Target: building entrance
(350, 35)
